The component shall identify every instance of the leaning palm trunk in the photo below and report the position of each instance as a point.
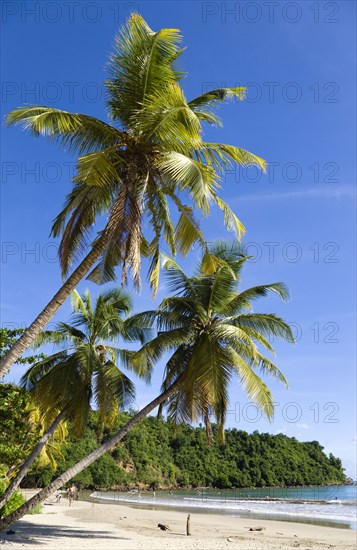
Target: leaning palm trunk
(88, 460)
(30, 460)
(59, 298)
(209, 432)
(48, 312)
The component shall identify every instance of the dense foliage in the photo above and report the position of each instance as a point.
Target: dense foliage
(14, 502)
(8, 337)
(159, 454)
(17, 433)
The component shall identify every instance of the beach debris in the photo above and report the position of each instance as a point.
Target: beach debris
(257, 529)
(10, 532)
(188, 525)
(163, 527)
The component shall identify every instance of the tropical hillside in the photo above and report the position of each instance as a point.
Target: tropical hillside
(157, 454)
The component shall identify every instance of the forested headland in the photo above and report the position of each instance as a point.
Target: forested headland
(158, 454)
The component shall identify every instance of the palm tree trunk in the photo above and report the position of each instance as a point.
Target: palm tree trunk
(209, 432)
(30, 460)
(88, 460)
(115, 221)
(53, 305)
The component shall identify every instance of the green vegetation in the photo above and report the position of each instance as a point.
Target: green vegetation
(16, 500)
(36, 510)
(9, 337)
(17, 436)
(160, 454)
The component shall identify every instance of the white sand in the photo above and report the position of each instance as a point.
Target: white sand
(111, 527)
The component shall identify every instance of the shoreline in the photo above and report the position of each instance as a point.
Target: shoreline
(330, 513)
(163, 489)
(90, 525)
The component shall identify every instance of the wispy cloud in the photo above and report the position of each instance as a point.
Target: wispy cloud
(304, 426)
(317, 193)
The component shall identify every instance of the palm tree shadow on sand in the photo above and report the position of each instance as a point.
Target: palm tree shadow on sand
(28, 533)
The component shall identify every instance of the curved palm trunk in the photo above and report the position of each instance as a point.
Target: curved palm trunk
(88, 460)
(114, 224)
(53, 305)
(30, 460)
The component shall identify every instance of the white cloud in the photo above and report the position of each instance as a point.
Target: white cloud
(304, 426)
(318, 193)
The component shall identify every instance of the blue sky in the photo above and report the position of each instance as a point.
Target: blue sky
(297, 60)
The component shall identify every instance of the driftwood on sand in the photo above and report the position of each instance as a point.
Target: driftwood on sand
(188, 525)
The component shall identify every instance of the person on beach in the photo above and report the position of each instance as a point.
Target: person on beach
(71, 491)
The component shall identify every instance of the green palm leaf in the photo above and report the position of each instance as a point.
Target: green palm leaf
(197, 178)
(142, 62)
(243, 299)
(74, 131)
(207, 344)
(268, 324)
(217, 96)
(88, 367)
(254, 386)
(222, 156)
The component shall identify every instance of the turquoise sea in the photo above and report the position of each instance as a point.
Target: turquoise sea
(326, 505)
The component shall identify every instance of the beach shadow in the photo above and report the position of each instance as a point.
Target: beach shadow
(27, 533)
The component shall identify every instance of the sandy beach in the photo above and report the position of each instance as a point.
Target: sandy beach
(110, 527)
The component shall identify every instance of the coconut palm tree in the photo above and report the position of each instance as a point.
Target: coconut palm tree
(64, 384)
(212, 334)
(148, 158)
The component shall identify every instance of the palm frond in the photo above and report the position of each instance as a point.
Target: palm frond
(143, 61)
(100, 168)
(214, 97)
(75, 223)
(267, 367)
(221, 289)
(153, 350)
(231, 221)
(166, 119)
(243, 300)
(205, 104)
(54, 337)
(269, 324)
(254, 386)
(74, 131)
(175, 276)
(197, 178)
(231, 255)
(222, 156)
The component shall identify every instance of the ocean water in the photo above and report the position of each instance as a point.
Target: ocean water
(334, 506)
